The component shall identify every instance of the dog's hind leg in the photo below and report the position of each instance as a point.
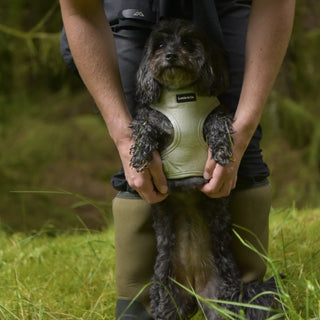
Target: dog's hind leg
(210, 293)
(220, 291)
(224, 280)
(261, 294)
(168, 300)
(162, 306)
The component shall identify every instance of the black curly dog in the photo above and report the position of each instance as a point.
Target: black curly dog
(193, 231)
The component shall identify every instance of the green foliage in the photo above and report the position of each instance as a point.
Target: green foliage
(29, 46)
(292, 132)
(298, 96)
(58, 275)
(296, 121)
(299, 126)
(51, 143)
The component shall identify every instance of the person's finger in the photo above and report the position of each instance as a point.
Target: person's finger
(215, 184)
(157, 174)
(220, 192)
(151, 194)
(222, 182)
(213, 191)
(142, 182)
(209, 166)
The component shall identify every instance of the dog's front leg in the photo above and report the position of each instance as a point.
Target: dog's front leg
(150, 130)
(144, 144)
(218, 133)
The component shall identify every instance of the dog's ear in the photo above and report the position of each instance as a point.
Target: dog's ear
(148, 89)
(215, 72)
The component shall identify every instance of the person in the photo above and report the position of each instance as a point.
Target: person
(255, 35)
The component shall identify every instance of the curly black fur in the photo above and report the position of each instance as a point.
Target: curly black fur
(193, 231)
(178, 43)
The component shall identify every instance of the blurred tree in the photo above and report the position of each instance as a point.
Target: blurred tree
(300, 111)
(294, 107)
(29, 46)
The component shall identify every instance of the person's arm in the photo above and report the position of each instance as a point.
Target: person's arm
(93, 49)
(269, 31)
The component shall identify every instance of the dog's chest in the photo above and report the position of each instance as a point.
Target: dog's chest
(187, 112)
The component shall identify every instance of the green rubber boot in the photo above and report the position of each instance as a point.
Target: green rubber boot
(128, 310)
(135, 247)
(250, 210)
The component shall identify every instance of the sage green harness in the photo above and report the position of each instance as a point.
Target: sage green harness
(187, 154)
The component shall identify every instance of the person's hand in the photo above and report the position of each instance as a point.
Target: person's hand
(222, 179)
(151, 183)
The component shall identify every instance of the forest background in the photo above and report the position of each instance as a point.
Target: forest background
(56, 158)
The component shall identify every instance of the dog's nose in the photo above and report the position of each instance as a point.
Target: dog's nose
(171, 57)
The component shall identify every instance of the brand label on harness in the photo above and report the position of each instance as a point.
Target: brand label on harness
(186, 97)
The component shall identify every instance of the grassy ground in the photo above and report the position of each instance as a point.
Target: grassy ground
(54, 275)
(294, 249)
(57, 276)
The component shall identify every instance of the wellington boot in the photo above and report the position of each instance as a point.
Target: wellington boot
(131, 310)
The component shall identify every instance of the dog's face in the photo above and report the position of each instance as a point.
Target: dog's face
(178, 55)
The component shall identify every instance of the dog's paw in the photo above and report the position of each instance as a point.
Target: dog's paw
(141, 158)
(138, 163)
(140, 167)
(222, 156)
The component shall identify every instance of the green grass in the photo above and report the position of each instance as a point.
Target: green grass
(64, 275)
(57, 276)
(295, 252)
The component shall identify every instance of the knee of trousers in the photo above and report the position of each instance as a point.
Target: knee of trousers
(135, 248)
(250, 210)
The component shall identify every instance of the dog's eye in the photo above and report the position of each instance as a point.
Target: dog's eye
(159, 45)
(188, 44)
